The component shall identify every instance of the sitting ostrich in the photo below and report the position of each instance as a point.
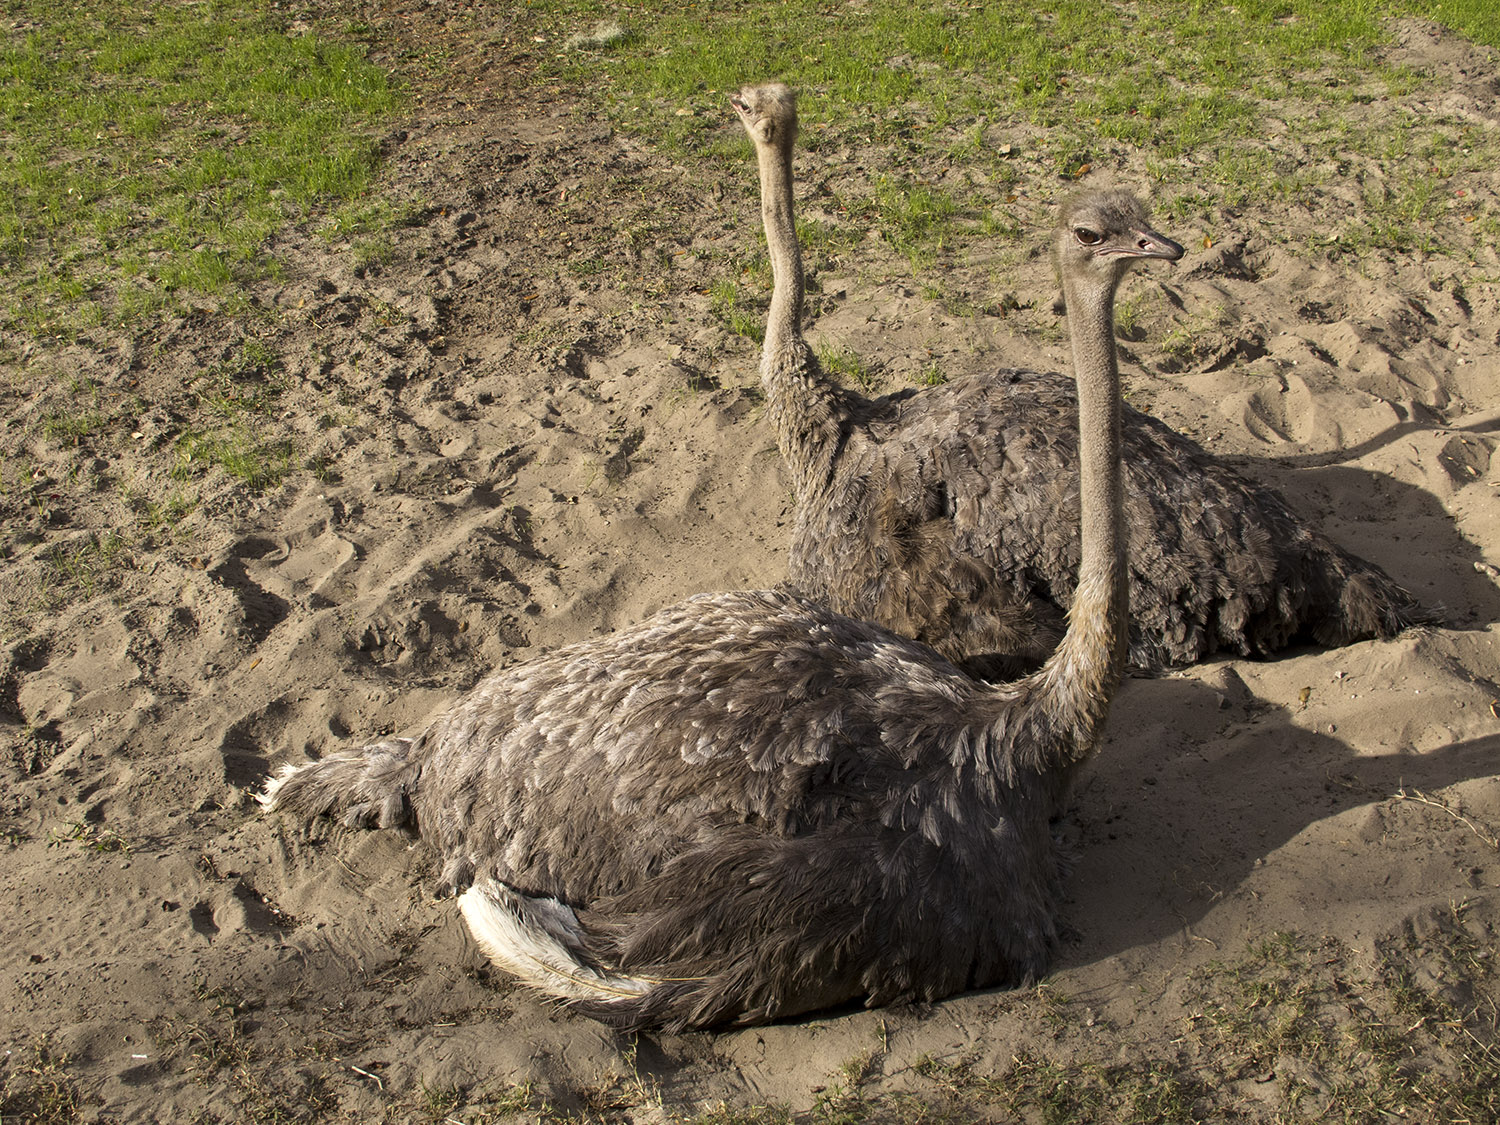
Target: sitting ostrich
(950, 514)
(749, 806)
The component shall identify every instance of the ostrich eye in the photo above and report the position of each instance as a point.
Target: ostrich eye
(1088, 237)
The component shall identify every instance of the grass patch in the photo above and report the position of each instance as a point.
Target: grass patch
(1416, 1040)
(84, 565)
(36, 1088)
(260, 463)
(244, 383)
(1195, 338)
(917, 219)
(153, 516)
(220, 1054)
(728, 305)
(931, 375)
(71, 427)
(89, 836)
(822, 244)
(84, 414)
(151, 148)
(1031, 94)
(840, 362)
(1293, 1029)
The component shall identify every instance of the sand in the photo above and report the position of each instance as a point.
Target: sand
(518, 448)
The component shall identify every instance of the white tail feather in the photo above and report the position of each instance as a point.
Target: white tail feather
(267, 798)
(532, 948)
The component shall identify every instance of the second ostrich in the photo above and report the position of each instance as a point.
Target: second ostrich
(950, 514)
(749, 806)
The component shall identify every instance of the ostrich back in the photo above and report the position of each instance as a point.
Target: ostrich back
(952, 515)
(764, 806)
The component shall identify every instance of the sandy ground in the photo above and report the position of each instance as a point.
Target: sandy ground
(518, 452)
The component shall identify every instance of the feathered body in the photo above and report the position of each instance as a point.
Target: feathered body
(750, 806)
(743, 808)
(950, 514)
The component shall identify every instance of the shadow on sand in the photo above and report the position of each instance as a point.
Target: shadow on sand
(1168, 822)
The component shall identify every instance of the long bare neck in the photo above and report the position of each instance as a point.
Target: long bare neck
(1067, 699)
(803, 407)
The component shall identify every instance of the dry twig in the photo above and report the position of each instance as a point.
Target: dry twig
(1403, 794)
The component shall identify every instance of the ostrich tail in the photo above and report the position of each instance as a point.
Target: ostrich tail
(1371, 604)
(369, 788)
(1361, 602)
(540, 941)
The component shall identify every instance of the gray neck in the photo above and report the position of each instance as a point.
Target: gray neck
(803, 408)
(1068, 698)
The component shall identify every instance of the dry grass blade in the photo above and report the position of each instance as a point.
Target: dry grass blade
(1404, 794)
(375, 1078)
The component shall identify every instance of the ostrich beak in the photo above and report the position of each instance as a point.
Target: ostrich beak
(1151, 244)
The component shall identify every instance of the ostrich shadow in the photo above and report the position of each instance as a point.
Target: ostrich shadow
(1166, 823)
(1390, 435)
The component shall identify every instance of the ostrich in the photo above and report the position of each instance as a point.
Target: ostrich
(750, 806)
(950, 514)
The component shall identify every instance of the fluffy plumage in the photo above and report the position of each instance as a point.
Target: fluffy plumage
(750, 806)
(950, 514)
(743, 808)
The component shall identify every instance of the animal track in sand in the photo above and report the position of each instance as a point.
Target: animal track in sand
(302, 564)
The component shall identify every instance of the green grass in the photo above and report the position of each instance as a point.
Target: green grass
(68, 427)
(1315, 1030)
(245, 383)
(88, 836)
(154, 516)
(83, 564)
(438, 1102)
(1345, 1045)
(916, 218)
(1033, 94)
(728, 305)
(1137, 67)
(842, 363)
(1478, 20)
(931, 375)
(151, 149)
(261, 463)
(823, 243)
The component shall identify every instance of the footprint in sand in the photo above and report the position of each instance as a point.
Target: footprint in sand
(1466, 458)
(258, 609)
(299, 563)
(1278, 412)
(91, 695)
(300, 566)
(1368, 365)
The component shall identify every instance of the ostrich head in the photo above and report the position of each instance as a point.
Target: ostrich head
(1102, 233)
(769, 113)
